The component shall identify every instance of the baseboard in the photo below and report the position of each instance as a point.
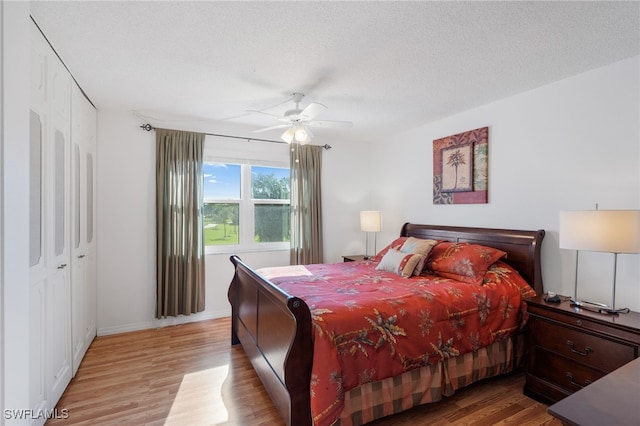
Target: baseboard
(159, 323)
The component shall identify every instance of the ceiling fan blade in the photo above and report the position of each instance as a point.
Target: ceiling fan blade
(331, 124)
(279, 126)
(233, 117)
(311, 111)
(255, 111)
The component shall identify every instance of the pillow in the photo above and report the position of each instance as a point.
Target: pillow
(399, 263)
(462, 261)
(502, 274)
(418, 246)
(396, 244)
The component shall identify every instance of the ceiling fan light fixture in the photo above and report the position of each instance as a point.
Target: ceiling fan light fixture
(301, 134)
(288, 135)
(298, 122)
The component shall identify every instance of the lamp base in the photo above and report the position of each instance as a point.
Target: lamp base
(598, 307)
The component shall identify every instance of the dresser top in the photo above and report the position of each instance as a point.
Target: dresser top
(611, 400)
(628, 321)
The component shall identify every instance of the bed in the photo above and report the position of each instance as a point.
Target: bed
(280, 332)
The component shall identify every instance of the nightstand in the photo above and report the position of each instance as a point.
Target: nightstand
(353, 257)
(569, 348)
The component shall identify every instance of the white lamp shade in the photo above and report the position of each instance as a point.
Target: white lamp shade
(612, 231)
(370, 221)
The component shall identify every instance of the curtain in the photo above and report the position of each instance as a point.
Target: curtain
(306, 204)
(180, 244)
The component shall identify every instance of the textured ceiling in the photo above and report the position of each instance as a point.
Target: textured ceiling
(383, 65)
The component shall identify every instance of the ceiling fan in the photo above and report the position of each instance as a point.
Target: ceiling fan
(298, 121)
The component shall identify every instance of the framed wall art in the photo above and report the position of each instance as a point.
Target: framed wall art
(460, 168)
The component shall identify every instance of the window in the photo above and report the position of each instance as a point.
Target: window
(246, 206)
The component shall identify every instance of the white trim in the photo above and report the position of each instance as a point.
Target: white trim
(16, 41)
(2, 321)
(165, 322)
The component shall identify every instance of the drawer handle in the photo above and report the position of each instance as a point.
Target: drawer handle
(572, 346)
(573, 381)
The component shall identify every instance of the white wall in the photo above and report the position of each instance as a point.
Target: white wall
(15, 189)
(126, 222)
(564, 146)
(345, 191)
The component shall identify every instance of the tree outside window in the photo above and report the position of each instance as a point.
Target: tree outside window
(270, 190)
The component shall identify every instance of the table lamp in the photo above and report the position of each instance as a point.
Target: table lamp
(609, 231)
(370, 221)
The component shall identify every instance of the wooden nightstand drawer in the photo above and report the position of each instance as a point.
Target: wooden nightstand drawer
(563, 372)
(574, 344)
(605, 325)
(570, 347)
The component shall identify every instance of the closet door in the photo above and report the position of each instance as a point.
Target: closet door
(58, 288)
(90, 223)
(49, 245)
(62, 306)
(38, 129)
(78, 254)
(83, 271)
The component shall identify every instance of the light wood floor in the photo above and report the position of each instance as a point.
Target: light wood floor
(190, 375)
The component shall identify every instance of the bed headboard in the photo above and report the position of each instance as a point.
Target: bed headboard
(522, 247)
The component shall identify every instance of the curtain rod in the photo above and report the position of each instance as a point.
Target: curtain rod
(148, 127)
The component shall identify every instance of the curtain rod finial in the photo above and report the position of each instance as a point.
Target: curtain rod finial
(148, 127)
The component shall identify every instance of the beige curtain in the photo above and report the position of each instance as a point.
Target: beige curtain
(306, 205)
(180, 245)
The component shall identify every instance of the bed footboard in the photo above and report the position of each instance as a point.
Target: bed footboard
(274, 329)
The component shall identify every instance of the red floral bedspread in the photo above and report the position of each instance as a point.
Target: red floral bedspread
(370, 325)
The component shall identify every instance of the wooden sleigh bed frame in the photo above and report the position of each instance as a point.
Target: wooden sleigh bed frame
(275, 328)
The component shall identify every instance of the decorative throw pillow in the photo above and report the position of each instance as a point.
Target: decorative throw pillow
(418, 246)
(396, 244)
(399, 263)
(462, 261)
